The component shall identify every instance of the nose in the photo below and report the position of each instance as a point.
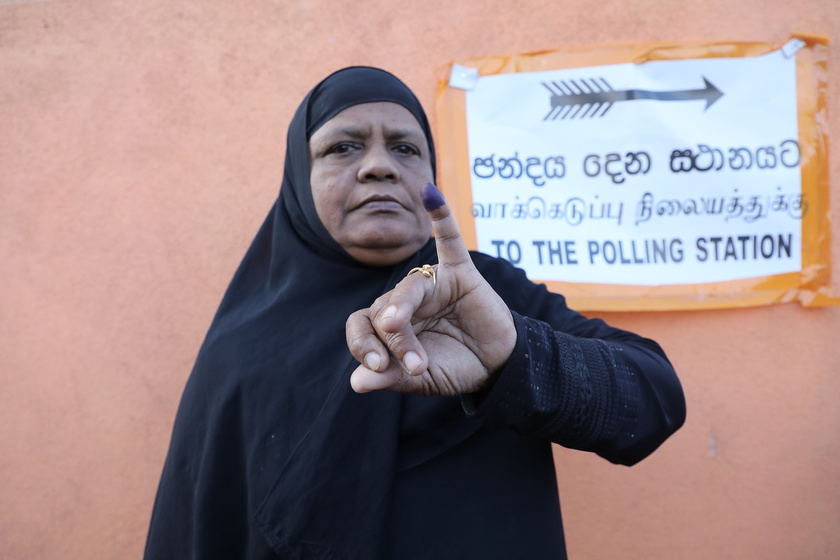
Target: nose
(378, 165)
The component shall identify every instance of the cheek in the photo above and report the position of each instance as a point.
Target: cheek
(423, 229)
(327, 204)
(325, 183)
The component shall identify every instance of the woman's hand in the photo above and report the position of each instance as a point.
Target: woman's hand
(445, 335)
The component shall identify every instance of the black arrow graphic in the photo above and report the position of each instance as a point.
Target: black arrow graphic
(569, 97)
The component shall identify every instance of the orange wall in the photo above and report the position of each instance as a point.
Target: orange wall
(140, 147)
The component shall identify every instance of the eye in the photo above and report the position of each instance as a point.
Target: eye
(341, 148)
(406, 150)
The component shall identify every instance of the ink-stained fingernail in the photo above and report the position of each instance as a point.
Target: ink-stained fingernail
(412, 361)
(432, 197)
(372, 361)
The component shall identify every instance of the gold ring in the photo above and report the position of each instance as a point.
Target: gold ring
(426, 270)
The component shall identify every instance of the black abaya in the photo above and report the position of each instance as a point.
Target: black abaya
(273, 454)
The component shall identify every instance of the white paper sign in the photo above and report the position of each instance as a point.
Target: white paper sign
(667, 172)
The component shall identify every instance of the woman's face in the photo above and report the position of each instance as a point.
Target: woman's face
(367, 166)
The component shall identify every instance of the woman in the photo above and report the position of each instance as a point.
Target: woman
(273, 453)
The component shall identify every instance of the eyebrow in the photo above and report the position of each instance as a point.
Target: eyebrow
(390, 133)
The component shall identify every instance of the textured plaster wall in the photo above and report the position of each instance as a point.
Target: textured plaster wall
(140, 147)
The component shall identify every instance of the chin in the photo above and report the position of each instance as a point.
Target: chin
(383, 251)
(384, 235)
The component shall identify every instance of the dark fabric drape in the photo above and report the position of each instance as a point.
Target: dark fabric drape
(268, 425)
(274, 456)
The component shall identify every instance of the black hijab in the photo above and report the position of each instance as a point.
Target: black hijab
(269, 434)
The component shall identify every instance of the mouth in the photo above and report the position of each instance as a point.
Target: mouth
(380, 202)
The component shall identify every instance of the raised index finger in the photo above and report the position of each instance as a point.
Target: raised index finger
(450, 246)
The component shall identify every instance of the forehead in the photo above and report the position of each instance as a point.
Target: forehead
(366, 117)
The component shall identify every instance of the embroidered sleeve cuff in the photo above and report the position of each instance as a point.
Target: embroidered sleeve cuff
(478, 404)
(555, 386)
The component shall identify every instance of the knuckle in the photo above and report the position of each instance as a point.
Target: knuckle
(354, 342)
(352, 320)
(379, 303)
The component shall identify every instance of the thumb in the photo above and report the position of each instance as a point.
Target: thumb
(450, 246)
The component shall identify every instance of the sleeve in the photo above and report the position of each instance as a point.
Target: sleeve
(580, 383)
